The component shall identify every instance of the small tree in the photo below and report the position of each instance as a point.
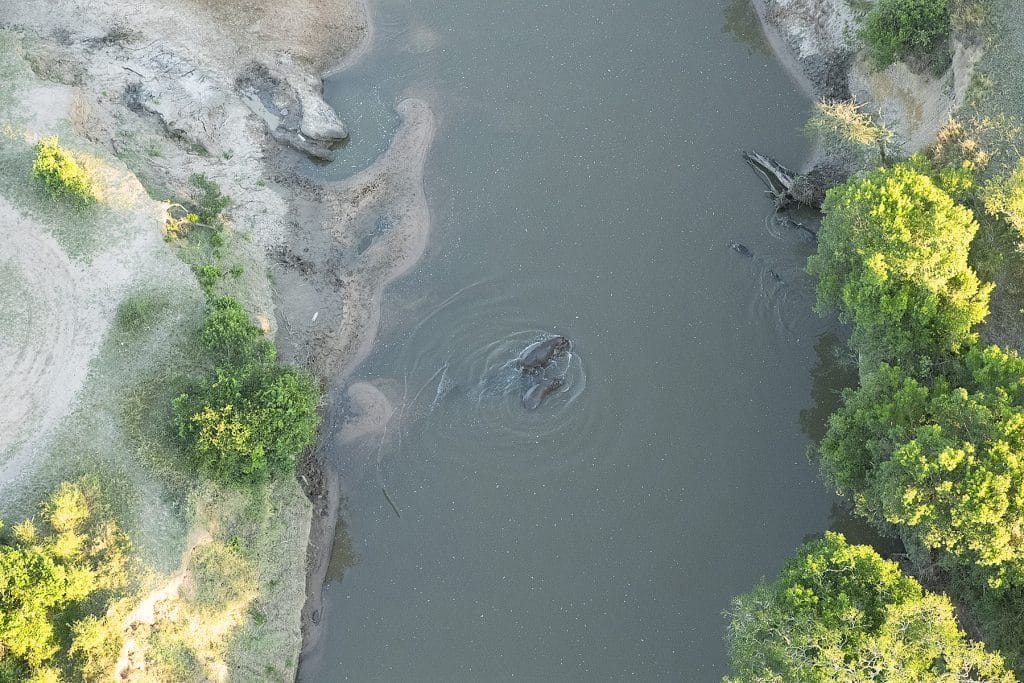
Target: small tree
(1004, 198)
(256, 415)
(61, 175)
(839, 613)
(847, 130)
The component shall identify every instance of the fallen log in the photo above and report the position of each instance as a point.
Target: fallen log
(777, 178)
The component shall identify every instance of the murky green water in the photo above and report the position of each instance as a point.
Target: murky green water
(585, 180)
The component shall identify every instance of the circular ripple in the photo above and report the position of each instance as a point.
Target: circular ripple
(458, 394)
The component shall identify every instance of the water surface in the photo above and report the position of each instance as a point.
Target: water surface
(586, 181)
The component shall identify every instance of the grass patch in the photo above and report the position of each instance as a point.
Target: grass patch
(139, 311)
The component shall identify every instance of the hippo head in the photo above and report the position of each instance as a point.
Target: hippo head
(562, 344)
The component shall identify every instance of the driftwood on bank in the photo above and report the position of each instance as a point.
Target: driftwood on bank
(787, 188)
(777, 178)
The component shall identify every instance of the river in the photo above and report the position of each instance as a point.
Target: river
(585, 180)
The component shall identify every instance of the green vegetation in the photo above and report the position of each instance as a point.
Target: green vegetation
(138, 311)
(61, 175)
(892, 259)
(58, 575)
(1003, 197)
(208, 201)
(840, 613)
(897, 29)
(255, 416)
(945, 462)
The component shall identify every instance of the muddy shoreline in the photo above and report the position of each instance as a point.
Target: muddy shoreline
(330, 276)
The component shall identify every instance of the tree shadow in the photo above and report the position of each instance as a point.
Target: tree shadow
(742, 22)
(835, 370)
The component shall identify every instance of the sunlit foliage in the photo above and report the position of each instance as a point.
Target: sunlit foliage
(256, 415)
(57, 572)
(945, 462)
(839, 613)
(892, 259)
(62, 176)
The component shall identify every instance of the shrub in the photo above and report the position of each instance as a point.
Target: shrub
(61, 175)
(229, 332)
(1004, 198)
(210, 201)
(896, 29)
(207, 274)
(255, 416)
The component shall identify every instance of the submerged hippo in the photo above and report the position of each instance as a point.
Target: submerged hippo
(538, 355)
(741, 249)
(536, 394)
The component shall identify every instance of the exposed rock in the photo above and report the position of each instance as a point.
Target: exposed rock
(817, 41)
(290, 102)
(816, 35)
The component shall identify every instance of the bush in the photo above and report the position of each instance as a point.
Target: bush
(255, 416)
(896, 29)
(1004, 198)
(61, 175)
(210, 202)
(229, 332)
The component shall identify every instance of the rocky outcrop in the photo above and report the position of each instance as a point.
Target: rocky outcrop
(814, 38)
(290, 101)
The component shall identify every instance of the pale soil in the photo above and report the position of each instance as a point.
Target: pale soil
(816, 40)
(155, 86)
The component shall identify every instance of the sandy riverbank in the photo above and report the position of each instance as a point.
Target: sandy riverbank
(161, 92)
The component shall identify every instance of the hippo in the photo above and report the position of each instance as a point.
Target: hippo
(741, 249)
(538, 355)
(536, 394)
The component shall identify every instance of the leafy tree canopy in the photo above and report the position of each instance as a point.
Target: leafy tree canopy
(892, 258)
(945, 462)
(841, 613)
(52, 573)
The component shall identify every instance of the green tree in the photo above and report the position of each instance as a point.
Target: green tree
(896, 29)
(54, 573)
(61, 175)
(839, 613)
(892, 259)
(945, 462)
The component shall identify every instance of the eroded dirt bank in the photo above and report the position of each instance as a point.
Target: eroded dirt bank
(816, 41)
